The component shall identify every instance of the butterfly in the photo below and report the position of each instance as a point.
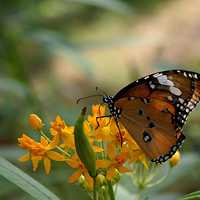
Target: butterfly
(154, 109)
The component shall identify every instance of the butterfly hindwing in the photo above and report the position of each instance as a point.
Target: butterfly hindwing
(150, 127)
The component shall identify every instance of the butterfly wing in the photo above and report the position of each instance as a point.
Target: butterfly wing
(154, 110)
(151, 128)
(179, 88)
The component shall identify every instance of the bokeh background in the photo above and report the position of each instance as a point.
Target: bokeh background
(52, 52)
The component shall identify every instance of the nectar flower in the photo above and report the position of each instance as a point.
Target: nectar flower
(76, 163)
(38, 151)
(62, 133)
(35, 122)
(98, 110)
(94, 147)
(117, 164)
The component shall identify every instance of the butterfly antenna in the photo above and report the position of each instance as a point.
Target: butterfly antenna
(87, 97)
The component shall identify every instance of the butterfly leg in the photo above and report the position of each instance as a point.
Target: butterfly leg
(121, 138)
(100, 117)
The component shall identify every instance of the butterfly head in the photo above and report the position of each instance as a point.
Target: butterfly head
(108, 99)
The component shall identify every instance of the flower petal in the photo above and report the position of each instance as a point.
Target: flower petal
(47, 165)
(111, 173)
(74, 177)
(123, 169)
(89, 181)
(72, 163)
(97, 149)
(111, 151)
(35, 161)
(55, 156)
(24, 158)
(43, 141)
(54, 142)
(103, 163)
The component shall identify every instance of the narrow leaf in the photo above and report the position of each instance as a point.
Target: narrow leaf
(193, 195)
(24, 181)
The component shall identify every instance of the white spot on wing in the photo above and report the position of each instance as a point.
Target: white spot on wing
(163, 80)
(181, 100)
(195, 76)
(185, 74)
(157, 75)
(175, 91)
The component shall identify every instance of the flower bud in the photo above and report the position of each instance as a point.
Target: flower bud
(83, 146)
(100, 180)
(82, 182)
(35, 122)
(175, 159)
(116, 178)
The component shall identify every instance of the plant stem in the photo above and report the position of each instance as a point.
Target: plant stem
(57, 147)
(95, 189)
(160, 180)
(110, 191)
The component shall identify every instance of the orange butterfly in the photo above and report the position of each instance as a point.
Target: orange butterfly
(154, 109)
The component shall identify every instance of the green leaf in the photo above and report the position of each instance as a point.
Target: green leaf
(24, 181)
(193, 195)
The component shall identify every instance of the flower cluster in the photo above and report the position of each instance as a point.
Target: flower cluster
(115, 152)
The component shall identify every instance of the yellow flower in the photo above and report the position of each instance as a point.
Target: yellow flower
(97, 111)
(76, 163)
(35, 122)
(62, 133)
(115, 163)
(39, 151)
(175, 159)
(134, 152)
(115, 148)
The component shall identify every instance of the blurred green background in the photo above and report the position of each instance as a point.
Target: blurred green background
(52, 52)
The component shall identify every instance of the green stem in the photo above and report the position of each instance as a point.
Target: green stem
(116, 187)
(57, 147)
(110, 191)
(95, 189)
(138, 195)
(160, 180)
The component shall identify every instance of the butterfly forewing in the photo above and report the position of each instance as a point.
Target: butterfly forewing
(179, 88)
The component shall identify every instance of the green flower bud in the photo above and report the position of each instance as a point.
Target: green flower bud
(116, 178)
(83, 146)
(82, 182)
(101, 180)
